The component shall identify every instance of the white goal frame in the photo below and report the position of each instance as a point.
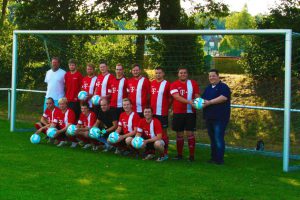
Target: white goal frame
(288, 57)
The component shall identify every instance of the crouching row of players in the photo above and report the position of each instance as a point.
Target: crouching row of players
(128, 134)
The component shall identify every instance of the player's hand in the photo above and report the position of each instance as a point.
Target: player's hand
(206, 103)
(121, 137)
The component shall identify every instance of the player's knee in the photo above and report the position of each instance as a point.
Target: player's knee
(128, 140)
(158, 145)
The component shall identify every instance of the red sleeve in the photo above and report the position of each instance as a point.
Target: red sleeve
(81, 119)
(93, 119)
(57, 116)
(140, 127)
(125, 88)
(173, 88)
(168, 88)
(71, 117)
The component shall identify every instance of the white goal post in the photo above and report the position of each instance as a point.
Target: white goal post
(288, 57)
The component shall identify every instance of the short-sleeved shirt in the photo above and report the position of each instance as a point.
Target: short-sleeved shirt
(138, 90)
(88, 84)
(187, 90)
(107, 118)
(103, 84)
(118, 92)
(51, 115)
(219, 111)
(150, 130)
(160, 94)
(63, 119)
(55, 84)
(87, 121)
(73, 85)
(128, 122)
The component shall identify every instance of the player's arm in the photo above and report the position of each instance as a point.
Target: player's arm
(219, 99)
(113, 127)
(130, 134)
(97, 123)
(44, 120)
(157, 137)
(181, 99)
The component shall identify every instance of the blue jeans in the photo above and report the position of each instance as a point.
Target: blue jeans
(216, 132)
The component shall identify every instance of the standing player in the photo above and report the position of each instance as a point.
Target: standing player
(73, 80)
(88, 82)
(106, 120)
(138, 90)
(150, 130)
(127, 125)
(160, 102)
(55, 82)
(118, 90)
(184, 115)
(86, 120)
(63, 120)
(103, 83)
(52, 112)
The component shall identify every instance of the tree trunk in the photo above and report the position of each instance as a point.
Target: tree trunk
(3, 13)
(141, 25)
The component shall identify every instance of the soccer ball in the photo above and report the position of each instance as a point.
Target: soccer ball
(113, 137)
(82, 95)
(198, 102)
(71, 130)
(51, 132)
(94, 133)
(35, 139)
(96, 100)
(137, 142)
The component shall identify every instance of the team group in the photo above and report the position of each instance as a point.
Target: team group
(133, 107)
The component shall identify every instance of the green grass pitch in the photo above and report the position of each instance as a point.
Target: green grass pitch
(44, 171)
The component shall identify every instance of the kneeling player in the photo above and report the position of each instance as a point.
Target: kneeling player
(86, 120)
(63, 120)
(127, 126)
(150, 129)
(49, 115)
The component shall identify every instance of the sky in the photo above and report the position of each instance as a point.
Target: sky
(254, 6)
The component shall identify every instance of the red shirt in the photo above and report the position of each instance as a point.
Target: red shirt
(128, 122)
(150, 130)
(118, 92)
(87, 121)
(187, 90)
(73, 85)
(138, 90)
(51, 115)
(103, 84)
(65, 118)
(160, 94)
(88, 84)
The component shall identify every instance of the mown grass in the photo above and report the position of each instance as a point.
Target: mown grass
(44, 171)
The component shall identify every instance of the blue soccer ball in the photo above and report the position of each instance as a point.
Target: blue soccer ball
(35, 139)
(198, 102)
(71, 130)
(137, 142)
(51, 132)
(113, 137)
(94, 133)
(83, 95)
(96, 100)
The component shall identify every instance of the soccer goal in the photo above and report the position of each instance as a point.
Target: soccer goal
(261, 107)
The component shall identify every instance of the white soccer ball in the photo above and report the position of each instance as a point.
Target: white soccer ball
(94, 133)
(113, 137)
(51, 132)
(198, 102)
(71, 130)
(82, 95)
(96, 100)
(137, 142)
(35, 139)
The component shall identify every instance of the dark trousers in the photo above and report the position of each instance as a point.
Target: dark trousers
(75, 106)
(216, 132)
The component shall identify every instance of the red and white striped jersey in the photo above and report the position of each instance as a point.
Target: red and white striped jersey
(138, 90)
(65, 118)
(150, 130)
(88, 84)
(51, 115)
(160, 94)
(128, 122)
(187, 90)
(118, 92)
(87, 121)
(103, 84)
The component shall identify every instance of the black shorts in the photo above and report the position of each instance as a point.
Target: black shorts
(150, 146)
(164, 120)
(184, 122)
(75, 106)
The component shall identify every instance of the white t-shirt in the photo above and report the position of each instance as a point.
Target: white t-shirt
(55, 84)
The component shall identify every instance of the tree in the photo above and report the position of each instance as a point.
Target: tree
(3, 12)
(238, 20)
